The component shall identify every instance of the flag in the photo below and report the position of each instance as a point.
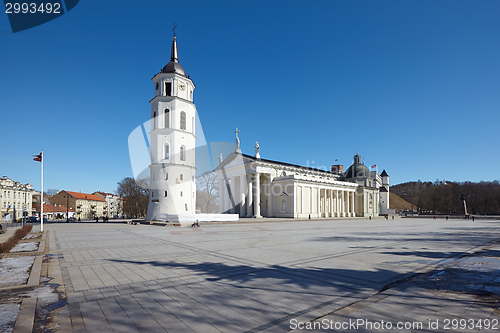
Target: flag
(37, 158)
(374, 166)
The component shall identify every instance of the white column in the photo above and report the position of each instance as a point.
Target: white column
(227, 201)
(242, 196)
(342, 197)
(353, 210)
(335, 201)
(257, 196)
(318, 205)
(270, 211)
(331, 203)
(249, 196)
(348, 195)
(221, 195)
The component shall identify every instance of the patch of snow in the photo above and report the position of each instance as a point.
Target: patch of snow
(15, 271)
(46, 295)
(8, 316)
(30, 236)
(25, 247)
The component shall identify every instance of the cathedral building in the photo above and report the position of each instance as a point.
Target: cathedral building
(255, 187)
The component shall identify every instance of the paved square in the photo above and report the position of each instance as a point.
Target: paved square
(251, 277)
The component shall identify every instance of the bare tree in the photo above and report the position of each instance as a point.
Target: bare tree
(135, 194)
(207, 193)
(50, 192)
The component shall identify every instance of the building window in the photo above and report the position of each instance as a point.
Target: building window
(154, 120)
(165, 193)
(186, 205)
(152, 194)
(168, 89)
(167, 151)
(167, 118)
(166, 176)
(183, 120)
(181, 193)
(182, 176)
(183, 153)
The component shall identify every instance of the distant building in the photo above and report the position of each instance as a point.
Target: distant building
(86, 205)
(113, 205)
(14, 199)
(54, 211)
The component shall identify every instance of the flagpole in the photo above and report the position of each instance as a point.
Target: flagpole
(41, 198)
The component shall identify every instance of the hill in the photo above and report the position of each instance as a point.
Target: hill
(447, 197)
(399, 203)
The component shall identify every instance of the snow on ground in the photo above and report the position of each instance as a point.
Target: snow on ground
(15, 271)
(30, 236)
(8, 316)
(46, 295)
(25, 247)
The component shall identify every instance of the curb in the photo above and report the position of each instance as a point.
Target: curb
(26, 317)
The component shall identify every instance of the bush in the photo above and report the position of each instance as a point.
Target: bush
(14, 239)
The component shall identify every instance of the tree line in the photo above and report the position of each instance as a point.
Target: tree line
(445, 197)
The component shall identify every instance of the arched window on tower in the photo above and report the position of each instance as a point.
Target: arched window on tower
(154, 120)
(183, 120)
(183, 153)
(166, 117)
(167, 152)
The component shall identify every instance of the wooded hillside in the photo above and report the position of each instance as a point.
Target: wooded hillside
(445, 197)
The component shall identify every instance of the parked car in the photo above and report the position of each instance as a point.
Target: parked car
(2, 230)
(44, 220)
(32, 219)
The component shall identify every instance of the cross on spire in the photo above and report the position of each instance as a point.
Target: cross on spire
(175, 26)
(237, 131)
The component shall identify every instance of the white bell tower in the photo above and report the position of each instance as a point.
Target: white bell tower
(172, 168)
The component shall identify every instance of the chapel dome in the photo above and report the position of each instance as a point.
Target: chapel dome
(357, 170)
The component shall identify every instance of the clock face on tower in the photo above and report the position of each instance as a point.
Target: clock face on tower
(182, 86)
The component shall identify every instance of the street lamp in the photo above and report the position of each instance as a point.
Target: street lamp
(67, 207)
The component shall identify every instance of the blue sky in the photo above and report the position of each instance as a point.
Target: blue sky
(413, 86)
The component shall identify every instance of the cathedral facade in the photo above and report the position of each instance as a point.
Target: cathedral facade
(251, 186)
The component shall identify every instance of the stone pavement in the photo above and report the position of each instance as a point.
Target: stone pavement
(261, 276)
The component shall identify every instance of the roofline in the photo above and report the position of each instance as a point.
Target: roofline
(281, 163)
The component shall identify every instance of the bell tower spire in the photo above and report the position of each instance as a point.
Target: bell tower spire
(173, 55)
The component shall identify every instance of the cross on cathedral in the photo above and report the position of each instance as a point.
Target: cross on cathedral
(173, 29)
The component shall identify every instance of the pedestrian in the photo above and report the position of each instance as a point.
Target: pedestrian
(97, 218)
(434, 217)
(472, 218)
(79, 220)
(370, 217)
(446, 217)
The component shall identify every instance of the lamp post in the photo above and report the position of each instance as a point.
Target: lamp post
(67, 209)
